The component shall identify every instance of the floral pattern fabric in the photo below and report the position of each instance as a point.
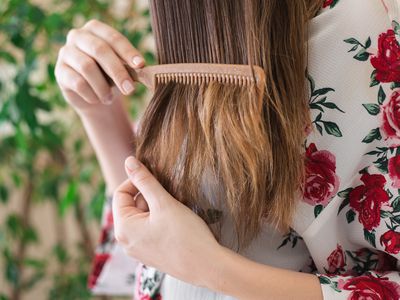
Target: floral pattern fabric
(346, 228)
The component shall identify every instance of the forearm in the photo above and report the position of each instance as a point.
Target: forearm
(242, 278)
(112, 138)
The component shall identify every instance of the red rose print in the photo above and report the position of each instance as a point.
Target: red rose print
(390, 120)
(336, 260)
(321, 183)
(327, 3)
(98, 264)
(367, 199)
(368, 287)
(391, 241)
(387, 61)
(394, 170)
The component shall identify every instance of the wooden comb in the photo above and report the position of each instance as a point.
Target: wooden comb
(199, 73)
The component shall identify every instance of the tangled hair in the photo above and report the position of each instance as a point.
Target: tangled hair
(224, 145)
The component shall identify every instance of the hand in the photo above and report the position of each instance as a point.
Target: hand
(91, 52)
(169, 237)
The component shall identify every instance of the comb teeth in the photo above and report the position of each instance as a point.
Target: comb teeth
(197, 74)
(203, 78)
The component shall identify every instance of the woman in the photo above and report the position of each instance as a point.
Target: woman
(211, 207)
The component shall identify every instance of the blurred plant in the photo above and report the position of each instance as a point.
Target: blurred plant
(44, 154)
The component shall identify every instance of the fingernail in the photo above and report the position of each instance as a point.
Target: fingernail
(127, 86)
(131, 164)
(137, 60)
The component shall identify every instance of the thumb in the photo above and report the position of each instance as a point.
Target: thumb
(145, 183)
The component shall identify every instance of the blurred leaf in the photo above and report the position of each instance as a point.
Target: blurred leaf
(16, 179)
(35, 263)
(33, 280)
(3, 297)
(14, 226)
(86, 173)
(70, 286)
(97, 203)
(61, 253)
(7, 57)
(11, 273)
(3, 193)
(30, 235)
(78, 145)
(35, 15)
(70, 197)
(149, 58)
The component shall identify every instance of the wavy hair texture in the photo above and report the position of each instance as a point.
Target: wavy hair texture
(223, 145)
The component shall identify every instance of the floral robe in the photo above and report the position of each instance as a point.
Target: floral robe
(347, 224)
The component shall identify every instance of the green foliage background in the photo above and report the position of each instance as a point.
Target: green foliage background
(45, 158)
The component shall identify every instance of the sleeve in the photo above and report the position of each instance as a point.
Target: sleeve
(361, 260)
(371, 285)
(365, 227)
(377, 266)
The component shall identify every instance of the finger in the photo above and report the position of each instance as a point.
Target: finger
(117, 41)
(71, 80)
(141, 202)
(124, 212)
(124, 200)
(146, 183)
(88, 69)
(105, 56)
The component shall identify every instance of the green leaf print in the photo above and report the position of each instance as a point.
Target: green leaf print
(292, 237)
(382, 164)
(362, 55)
(368, 42)
(350, 215)
(352, 41)
(396, 204)
(396, 219)
(370, 237)
(346, 200)
(374, 81)
(318, 101)
(363, 259)
(332, 129)
(386, 214)
(381, 95)
(331, 105)
(345, 193)
(396, 27)
(322, 91)
(372, 108)
(344, 203)
(324, 280)
(394, 85)
(382, 160)
(374, 134)
(334, 3)
(317, 210)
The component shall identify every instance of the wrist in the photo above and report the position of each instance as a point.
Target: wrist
(225, 267)
(103, 112)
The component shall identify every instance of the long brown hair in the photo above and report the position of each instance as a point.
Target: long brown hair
(215, 144)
